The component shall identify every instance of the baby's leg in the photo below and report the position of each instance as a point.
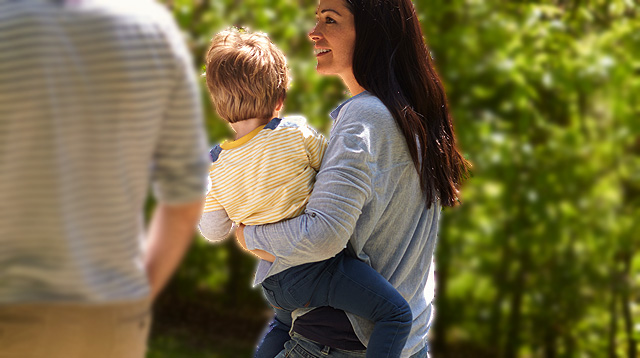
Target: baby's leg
(348, 284)
(277, 333)
(273, 338)
(357, 288)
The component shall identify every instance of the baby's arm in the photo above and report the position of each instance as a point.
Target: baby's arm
(215, 225)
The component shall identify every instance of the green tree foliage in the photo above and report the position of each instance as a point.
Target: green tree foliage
(541, 259)
(538, 259)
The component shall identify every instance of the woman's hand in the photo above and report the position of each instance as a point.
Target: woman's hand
(260, 253)
(240, 236)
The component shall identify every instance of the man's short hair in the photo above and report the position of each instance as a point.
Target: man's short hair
(246, 75)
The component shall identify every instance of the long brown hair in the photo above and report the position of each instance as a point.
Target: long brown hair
(392, 61)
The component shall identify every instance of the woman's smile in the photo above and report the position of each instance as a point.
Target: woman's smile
(334, 36)
(321, 51)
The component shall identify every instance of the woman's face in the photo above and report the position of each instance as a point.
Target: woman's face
(334, 37)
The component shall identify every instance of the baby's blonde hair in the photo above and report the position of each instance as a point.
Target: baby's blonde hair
(246, 75)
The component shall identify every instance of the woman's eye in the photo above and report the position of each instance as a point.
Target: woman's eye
(329, 20)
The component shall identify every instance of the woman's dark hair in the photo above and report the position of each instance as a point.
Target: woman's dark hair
(392, 61)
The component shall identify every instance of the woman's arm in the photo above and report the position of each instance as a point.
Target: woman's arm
(342, 187)
(260, 253)
(216, 226)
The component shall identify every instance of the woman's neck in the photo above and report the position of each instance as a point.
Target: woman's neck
(352, 84)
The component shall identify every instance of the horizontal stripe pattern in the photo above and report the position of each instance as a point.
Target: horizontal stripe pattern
(98, 98)
(269, 178)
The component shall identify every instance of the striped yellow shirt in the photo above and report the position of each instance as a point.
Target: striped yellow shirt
(267, 175)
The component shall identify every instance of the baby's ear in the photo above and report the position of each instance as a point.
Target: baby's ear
(280, 104)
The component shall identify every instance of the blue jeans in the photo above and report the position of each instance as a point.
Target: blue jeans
(300, 347)
(344, 283)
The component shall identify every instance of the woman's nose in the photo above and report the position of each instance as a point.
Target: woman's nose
(314, 34)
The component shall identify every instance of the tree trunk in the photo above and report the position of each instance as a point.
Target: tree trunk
(233, 285)
(569, 346)
(625, 303)
(500, 282)
(613, 322)
(441, 320)
(513, 330)
(550, 344)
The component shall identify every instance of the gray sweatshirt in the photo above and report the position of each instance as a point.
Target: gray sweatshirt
(366, 197)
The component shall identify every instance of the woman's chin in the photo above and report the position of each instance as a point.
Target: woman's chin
(323, 70)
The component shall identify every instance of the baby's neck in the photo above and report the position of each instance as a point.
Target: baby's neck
(246, 126)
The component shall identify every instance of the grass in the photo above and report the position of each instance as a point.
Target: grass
(167, 346)
(204, 328)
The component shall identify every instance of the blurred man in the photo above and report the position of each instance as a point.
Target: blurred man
(97, 97)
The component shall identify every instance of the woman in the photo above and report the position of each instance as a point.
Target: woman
(390, 165)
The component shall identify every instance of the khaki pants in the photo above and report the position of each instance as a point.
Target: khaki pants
(116, 330)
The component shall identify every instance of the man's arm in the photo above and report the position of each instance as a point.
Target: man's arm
(178, 170)
(170, 235)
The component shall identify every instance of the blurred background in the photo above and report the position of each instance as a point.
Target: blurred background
(541, 259)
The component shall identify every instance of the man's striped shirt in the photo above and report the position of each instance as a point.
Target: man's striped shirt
(97, 97)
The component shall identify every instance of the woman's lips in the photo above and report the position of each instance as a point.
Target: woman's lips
(321, 52)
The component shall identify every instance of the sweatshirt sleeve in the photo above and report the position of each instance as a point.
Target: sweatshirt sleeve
(343, 186)
(215, 225)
